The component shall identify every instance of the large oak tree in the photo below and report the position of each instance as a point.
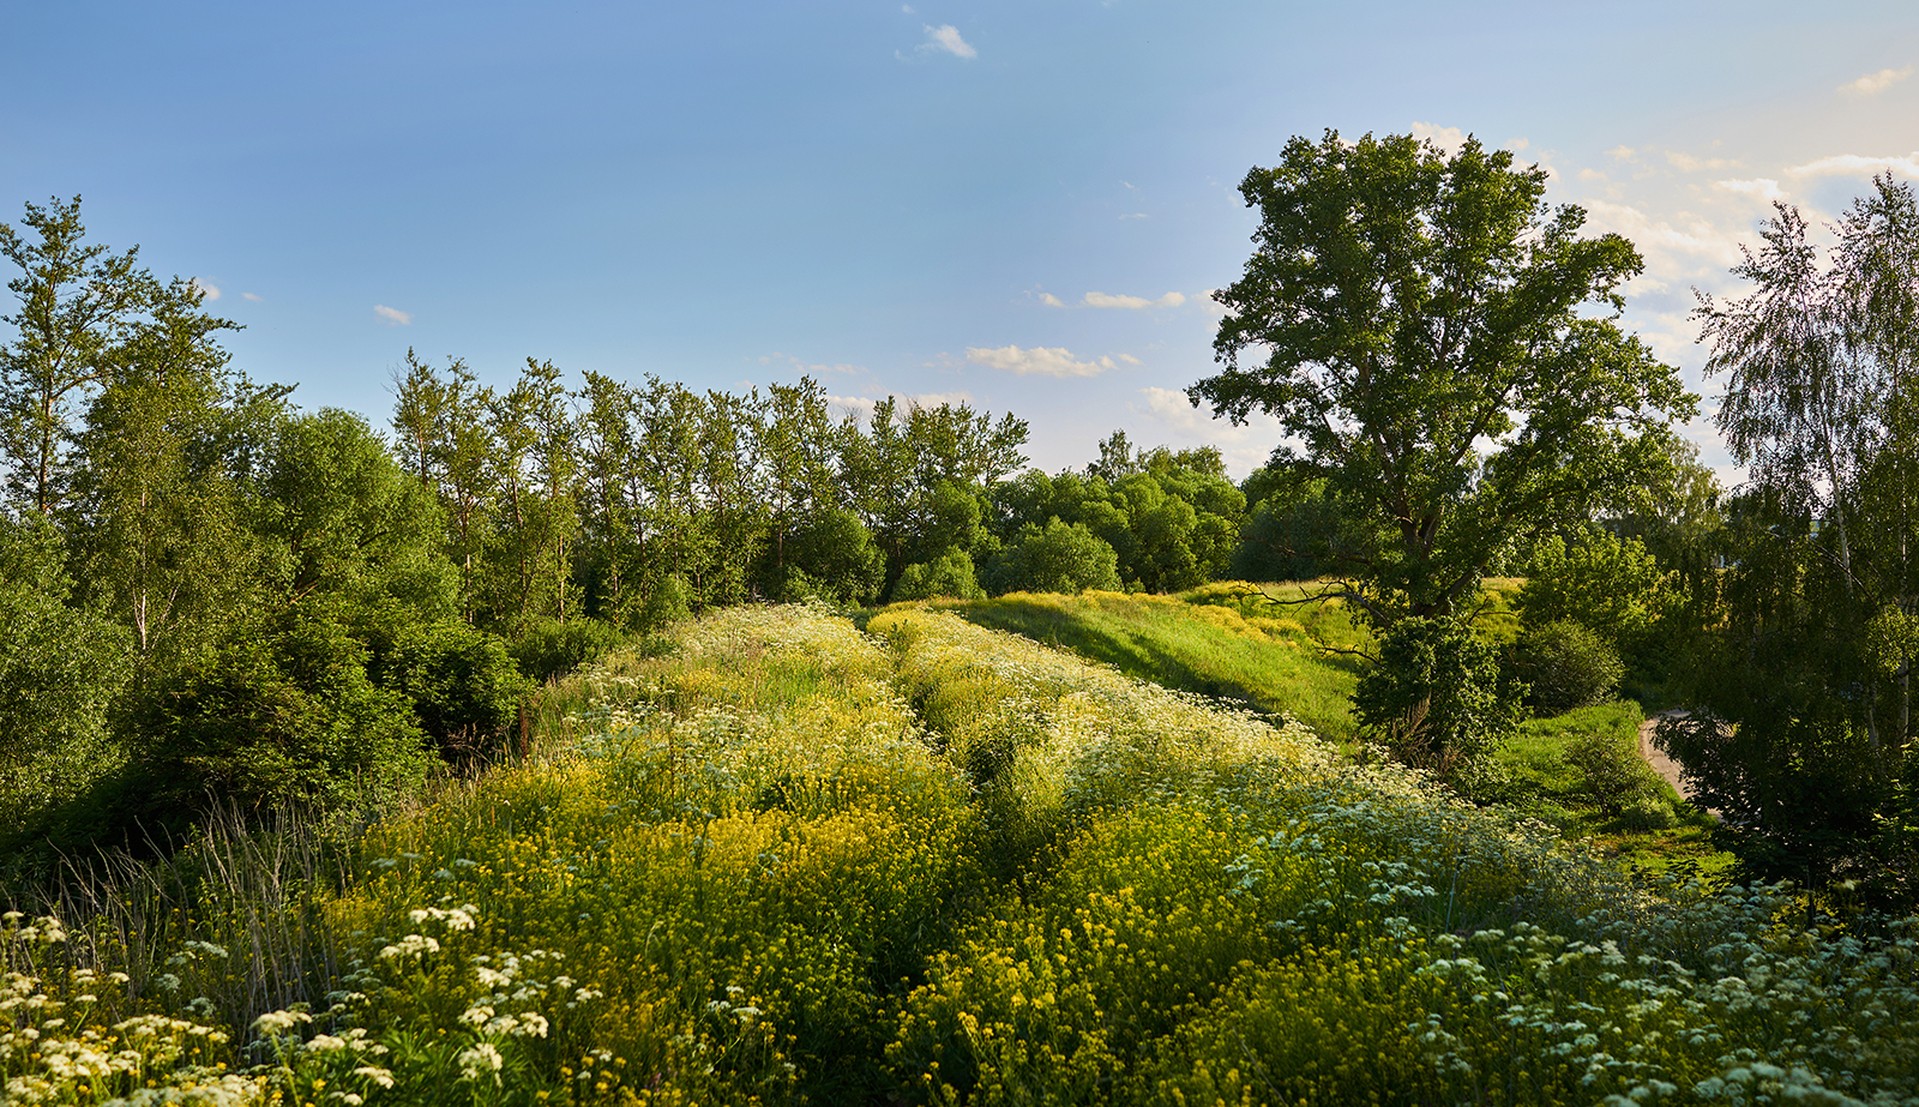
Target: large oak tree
(1442, 347)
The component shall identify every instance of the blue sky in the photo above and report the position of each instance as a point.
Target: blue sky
(1022, 204)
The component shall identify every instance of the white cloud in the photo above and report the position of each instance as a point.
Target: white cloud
(1874, 83)
(809, 368)
(207, 288)
(1686, 163)
(1051, 300)
(1763, 188)
(946, 37)
(392, 317)
(1245, 447)
(862, 407)
(935, 399)
(1130, 303)
(1621, 153)
(1449, 139)
(250, 297)
(1040, 361)
(859, 407)
(1857, 165)
(1135, 215)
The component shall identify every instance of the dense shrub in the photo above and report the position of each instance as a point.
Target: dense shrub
(549, 648)
(948, 576)
(1566, 665)
(287, 714)
(1619, 781)
(1059, 557)
(1611, 586)
(60, 669)
(466, 690)
(1435, 700)
(833, 557)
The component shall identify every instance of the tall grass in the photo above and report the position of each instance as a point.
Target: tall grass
(789, 861)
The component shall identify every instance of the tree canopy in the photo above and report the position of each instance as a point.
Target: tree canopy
(1444, 350)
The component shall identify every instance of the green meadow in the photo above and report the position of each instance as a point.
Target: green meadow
(777, 858)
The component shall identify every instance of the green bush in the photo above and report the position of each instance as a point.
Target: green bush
(1619, 782)
(1060, 557)
(282, 715)
(549, 648)
(668, 601)
(1435, 700)
(1567, 665)
(1612, 586)
(832, 557)
(60, 669)
(949, 575)
(465, 688)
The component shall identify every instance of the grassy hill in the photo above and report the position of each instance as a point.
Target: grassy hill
(1249, 643)
(1258, 646)
(789, 861)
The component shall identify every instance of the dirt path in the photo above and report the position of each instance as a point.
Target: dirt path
(1656, 757)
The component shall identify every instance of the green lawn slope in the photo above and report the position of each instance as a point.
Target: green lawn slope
(1254, 644)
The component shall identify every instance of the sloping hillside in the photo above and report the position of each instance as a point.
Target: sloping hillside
(786, 861)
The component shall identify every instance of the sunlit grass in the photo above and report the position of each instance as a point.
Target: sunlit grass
(1246, 643)
(784, 860)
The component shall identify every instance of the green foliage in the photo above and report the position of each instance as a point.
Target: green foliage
(948, 576)
(1566, 665)
(1296, 528)
(1365, 251)
(281, 714)
(1804, 673)
(1435, 699)
(1609, 585)
(548, 648)
(1619, 782)
(667, 602)
(833, 557)
(1172, 517)
(60, 671)
(1059, 557)
(467, 692)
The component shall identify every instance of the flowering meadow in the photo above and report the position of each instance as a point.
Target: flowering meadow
(789, 859)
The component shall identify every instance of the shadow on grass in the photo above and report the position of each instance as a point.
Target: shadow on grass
(1132, 653)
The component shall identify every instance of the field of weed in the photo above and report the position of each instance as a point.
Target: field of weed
(787, 860)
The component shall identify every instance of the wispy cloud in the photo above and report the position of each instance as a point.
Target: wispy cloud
(1131, 303)
(1857, 165)
(1245, 446)
(1041, 361)
(1051, 300)
(809, 368)
(862, 407)
(1763, 188)
(250, 297)
(946, 37)
(207, 288)
(391, 316)
(1448, 139)
(1688, 163)
(1874, 83)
